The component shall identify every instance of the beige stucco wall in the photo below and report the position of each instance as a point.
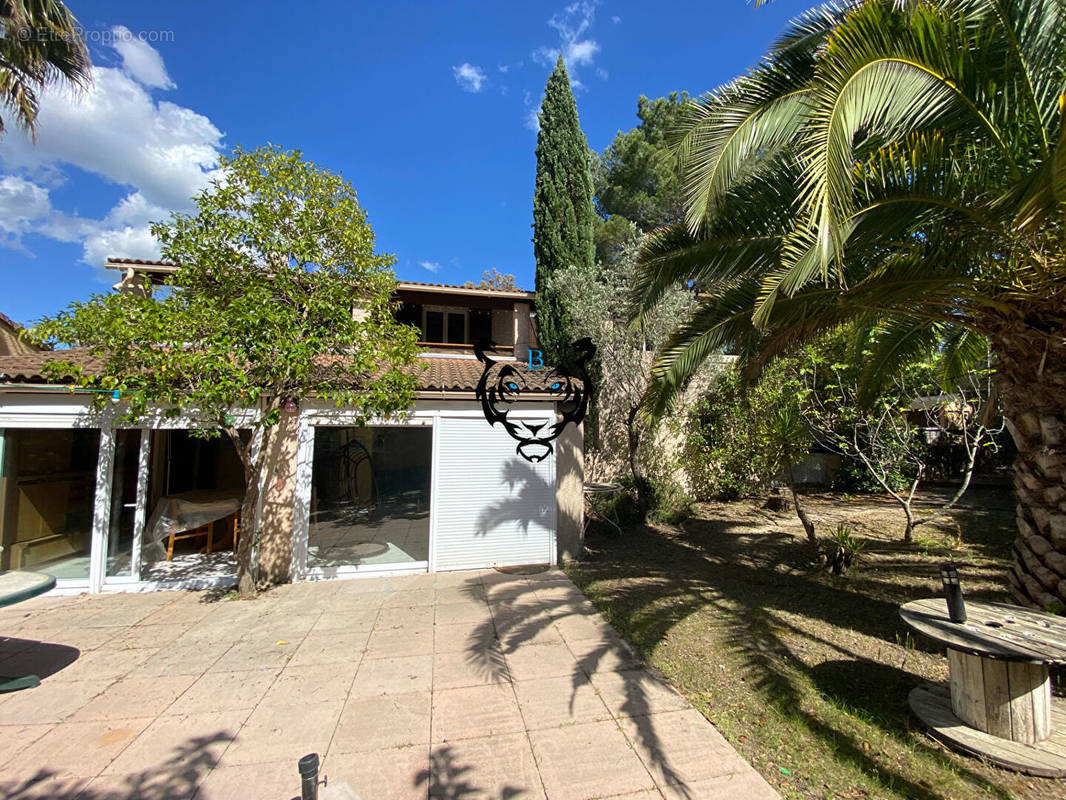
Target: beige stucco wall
(521, 331)
(570, 492)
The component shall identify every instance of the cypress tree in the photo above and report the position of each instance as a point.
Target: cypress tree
(563, 214)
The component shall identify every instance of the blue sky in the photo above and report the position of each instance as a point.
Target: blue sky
(427, 108)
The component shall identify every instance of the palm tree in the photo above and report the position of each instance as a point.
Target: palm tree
(898, 164)
(40, 45)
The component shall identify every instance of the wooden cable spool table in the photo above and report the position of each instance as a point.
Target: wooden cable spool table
(998, 703)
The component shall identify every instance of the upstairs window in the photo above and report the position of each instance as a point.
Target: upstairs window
(444, 326)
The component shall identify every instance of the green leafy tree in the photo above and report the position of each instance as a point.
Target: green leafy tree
(744, 436)
(40, 46)
(637, 177)
(895, 163)
(563, 214)
(494, 279)
(889, 435)
(597, 301)
(280, 297)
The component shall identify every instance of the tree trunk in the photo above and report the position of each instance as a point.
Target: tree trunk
(246, 540)
(808, 526)
(633, 441)
(1030, 375)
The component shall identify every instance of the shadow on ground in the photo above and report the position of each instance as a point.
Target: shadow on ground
(176, 778)
(760, 594)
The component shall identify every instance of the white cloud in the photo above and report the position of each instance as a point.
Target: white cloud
(616, 19)
(131, 242)
(162, 152)
(572, 24)
(140, 60)
(532, 120)
(581, 52)
(432, 266)
(22, 203)
(469, 76)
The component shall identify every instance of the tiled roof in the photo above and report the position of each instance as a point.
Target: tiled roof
(143, 262)
(6, 320)
(440, 374)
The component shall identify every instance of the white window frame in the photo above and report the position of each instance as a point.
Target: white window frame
(64, 410)
(313, 415)
(446, 310)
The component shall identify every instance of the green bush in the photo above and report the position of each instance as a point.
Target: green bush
(670, 503)
(737, 439)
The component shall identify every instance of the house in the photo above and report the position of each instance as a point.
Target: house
(108, 507)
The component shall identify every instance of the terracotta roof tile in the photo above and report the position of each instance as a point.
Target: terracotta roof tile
(441, 374)
(143, 262)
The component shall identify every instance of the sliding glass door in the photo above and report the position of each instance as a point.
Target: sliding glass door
(370, 497)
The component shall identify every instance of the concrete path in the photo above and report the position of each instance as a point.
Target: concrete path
(455, 685)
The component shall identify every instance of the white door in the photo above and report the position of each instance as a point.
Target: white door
(493, 508)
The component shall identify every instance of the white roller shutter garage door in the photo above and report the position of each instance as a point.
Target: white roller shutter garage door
(493, 508)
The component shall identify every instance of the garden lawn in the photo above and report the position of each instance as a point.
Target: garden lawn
(805, 673)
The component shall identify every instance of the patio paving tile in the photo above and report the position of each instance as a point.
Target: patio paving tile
(43, 787)
(391, 642)
(180, 741)
(331, 647)
(681, 747)
(183, 658)
(474, 712)
(480, 685)
(383, 721)
(77, 749)
(79, 638)
(748, 785)
(490, 767)
(608, 654)
(274, 626)
(456, 670)
(580, 762)
(130, 697)
(144, 637)
(467, 593)
(275, 781)
(102, 665)
(346, 617)
(398, 773)
(15, 738)
(403, 598)
(311, 683)
(393, 676)
(150, 784)
(463, 636)
(462, 613)
(633, 693)
(552, 702)
(178, 613)
(532, 661)
(285, 733)
(53, 701)
(255, 655)
(225, 691)
(577, 628)
(403, 616)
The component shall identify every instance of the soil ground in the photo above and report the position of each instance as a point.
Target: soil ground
(806, 673)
